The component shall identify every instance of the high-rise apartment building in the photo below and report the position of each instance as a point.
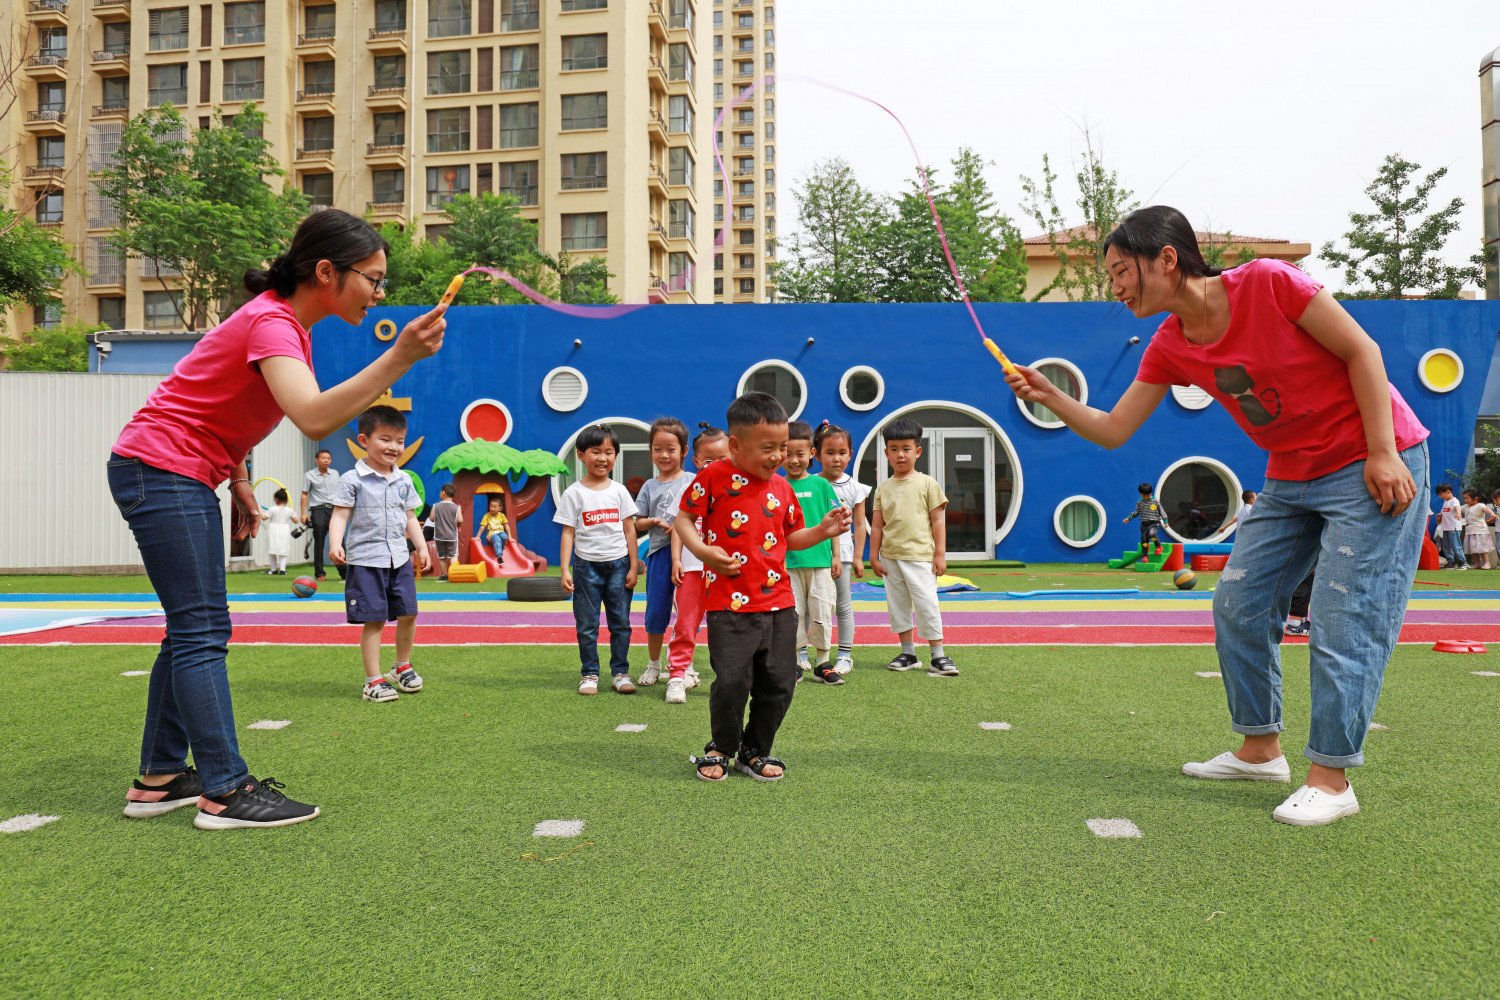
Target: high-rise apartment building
(744, 56)
(592, 112)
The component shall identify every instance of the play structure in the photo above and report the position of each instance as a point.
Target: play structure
(482, 469)
(1166, 558)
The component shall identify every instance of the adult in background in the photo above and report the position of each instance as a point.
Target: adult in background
(194, 433)
(317, 503)
(1347, 458)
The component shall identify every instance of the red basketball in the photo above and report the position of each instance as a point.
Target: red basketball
(304, 586)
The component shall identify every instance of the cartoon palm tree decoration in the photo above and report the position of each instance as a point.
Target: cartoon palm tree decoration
(481, 466)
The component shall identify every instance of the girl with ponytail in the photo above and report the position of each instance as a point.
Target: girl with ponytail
(192, 435)
(1347, 459)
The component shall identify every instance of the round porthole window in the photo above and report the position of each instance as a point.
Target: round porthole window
(1190, 397)
(1079, 521)
(1199, 498)
(862, 388)
(1066, 376)
(779, 379)
(564, 389)
(1440, 370)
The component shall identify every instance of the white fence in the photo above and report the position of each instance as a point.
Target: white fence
(54, 499)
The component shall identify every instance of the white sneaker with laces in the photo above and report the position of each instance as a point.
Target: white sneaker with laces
(622, 683)
(843, 665)
(589, 684)
(691, 679)
(1309, 806)
(676, 691)
(1228, 767)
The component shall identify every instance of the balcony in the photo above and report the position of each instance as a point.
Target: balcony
(657, 125)
(47, 11)
(387, 95)
(315, 151)
(46, 119)
(105, 57)
(48, 66)
(518, 79)
(658, 22)
(321, 94)
(657, 180)
(47, 174)
(656, 234)
(679, 231)
(386, 209)
(112, 109)
(318, 39)
(386, 38)
(656, 289)
(386, 150)
(747, 172)
(112, 10)
(657, 73)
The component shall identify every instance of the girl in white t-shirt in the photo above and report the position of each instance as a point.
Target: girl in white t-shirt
(835, 450)
(1479, 544)
(597, 516)
(279, 532)
(711, 445)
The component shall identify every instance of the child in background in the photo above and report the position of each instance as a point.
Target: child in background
(909, 547)
(279, 532)
(750, 519)
(835, 450)
(711, 445)
(812, 569)
(447, 527)
(1247, 504)
(494, 527)
(1479, 545)
(597, 516)
(1450, 534)
(1149, 511)
(656, 508)
(366, 535)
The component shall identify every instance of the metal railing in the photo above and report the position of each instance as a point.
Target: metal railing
(317, 36)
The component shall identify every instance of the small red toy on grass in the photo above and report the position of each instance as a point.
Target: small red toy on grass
(304, 586)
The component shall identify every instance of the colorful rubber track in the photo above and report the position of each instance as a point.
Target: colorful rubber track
(969, 620)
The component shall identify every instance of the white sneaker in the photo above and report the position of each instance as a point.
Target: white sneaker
(589, 684)
(691, 678)
(622, 683)
(676, 691)
(650, 675)
(1309, 806)
(843, 665)
(1228, 767)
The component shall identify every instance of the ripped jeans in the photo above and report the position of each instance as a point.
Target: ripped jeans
(1365, 561)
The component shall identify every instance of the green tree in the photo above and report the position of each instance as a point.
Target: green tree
(1102, 201)
(831, 258)
(419, 271)
(64, 349)
(568, 279)
(33, 259)
(1397, 249)
(1216, 251)
(489, 230)
(197, 202)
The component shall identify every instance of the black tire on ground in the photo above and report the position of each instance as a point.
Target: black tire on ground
(536, 588)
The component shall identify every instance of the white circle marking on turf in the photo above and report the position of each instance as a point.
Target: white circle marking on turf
(631, 727)
(270, 724)
(136, 673)
(558, 828)
(26, 821)
(994, 725)
(1113, 828)
(1207, 673)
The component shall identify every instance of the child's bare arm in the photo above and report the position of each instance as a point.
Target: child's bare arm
(714, 557)
(414, 533)
(939, 525)
(565, 558)
(676, 545)
(336, 526)
(632, 548)
(877, 530)
(831, 526)
(861, 527)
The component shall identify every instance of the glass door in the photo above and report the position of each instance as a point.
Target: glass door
(966, 465)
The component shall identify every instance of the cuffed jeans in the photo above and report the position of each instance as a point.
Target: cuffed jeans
(596, 583)
(1365, 562)
(179, 529)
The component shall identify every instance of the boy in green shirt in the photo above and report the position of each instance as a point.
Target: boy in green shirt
(812, 569)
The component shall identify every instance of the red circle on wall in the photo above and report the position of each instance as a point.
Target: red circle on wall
(485, 418)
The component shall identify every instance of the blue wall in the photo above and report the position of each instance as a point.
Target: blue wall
(686, 361)
(140, 357)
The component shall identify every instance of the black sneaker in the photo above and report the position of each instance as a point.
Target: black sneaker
(824, 673)
(254, 803)
(143, 801)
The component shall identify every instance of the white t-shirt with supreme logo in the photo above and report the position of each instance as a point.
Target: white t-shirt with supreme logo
(597, 518)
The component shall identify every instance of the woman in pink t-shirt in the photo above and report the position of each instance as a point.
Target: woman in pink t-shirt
(194, 433)
(1347, 457)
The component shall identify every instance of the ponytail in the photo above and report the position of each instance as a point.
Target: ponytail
(331, 235)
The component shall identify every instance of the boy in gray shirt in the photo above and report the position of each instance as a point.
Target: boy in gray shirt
(447, 521)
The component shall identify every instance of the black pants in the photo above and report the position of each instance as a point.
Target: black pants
(1302, 596)
(754, 658)
(1150, 532)
(320, 516)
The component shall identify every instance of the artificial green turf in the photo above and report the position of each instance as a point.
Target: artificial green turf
(908, 852)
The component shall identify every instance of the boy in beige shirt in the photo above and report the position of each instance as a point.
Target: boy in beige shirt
(908, 547)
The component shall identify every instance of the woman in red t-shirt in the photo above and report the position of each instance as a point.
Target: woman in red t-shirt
(194, 433)
(1347, 457)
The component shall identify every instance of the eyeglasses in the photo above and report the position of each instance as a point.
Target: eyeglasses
(379, 283)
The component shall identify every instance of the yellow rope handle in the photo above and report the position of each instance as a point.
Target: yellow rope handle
(452, 292)
(999, 355)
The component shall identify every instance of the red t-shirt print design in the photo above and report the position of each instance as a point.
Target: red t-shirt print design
(750, 519)
(610, 515)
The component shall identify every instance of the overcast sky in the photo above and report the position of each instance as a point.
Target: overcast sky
(1265, 117)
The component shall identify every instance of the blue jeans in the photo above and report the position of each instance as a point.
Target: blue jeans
(596, 583)
(1366, 562)
(497, 540)
(1451, 546)
(180, 531)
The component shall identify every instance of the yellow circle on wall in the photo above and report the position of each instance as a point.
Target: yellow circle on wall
(385, 330)
(1440, 370)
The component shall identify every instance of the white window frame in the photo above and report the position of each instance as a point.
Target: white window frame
(1093, 539)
